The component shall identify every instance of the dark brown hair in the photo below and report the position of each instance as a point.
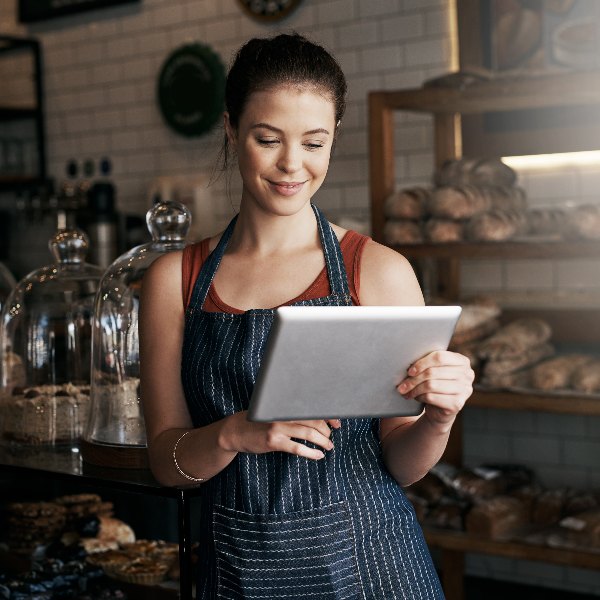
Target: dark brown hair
(286, 59)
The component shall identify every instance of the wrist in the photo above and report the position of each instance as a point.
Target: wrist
(227, 433)
(440, 424)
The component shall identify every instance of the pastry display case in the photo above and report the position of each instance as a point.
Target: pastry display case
(115, 435)
(45, 342)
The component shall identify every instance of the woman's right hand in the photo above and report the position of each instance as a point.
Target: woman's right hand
(240, 435)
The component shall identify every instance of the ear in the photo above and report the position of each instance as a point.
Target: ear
(230, 132)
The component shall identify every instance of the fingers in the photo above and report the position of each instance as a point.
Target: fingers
(281, 437)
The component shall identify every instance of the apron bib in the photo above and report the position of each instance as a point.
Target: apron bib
(276, 525)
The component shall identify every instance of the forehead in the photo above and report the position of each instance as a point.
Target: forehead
(298, 106)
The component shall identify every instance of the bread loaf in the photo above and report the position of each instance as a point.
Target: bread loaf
(584, 222)
(475, 322)
(556, 373)
(444, 230)
(547, 221)
(586, 378)
(514, 338)
(528, 356)
(497, 225)
(402, 232)
(457, 202)
(475, 171)
(497, 517)
(409, 204)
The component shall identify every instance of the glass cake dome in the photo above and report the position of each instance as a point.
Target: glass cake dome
(115, 435)
(45, 342)
(7, 283)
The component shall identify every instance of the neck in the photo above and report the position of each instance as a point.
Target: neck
(259, 232)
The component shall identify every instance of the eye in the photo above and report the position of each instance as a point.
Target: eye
(267, 141)
(313, 145)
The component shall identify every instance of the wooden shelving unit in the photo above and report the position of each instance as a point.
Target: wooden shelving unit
(447, 105)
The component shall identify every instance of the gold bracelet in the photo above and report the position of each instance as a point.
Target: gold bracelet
(182, 473)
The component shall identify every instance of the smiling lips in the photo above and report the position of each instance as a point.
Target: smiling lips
(287, 188)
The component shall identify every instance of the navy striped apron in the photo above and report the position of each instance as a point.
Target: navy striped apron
(277, 525)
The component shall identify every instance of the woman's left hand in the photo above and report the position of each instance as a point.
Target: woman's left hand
(443, 381)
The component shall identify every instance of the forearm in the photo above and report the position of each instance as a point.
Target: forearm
(200, 454)
(411, 450)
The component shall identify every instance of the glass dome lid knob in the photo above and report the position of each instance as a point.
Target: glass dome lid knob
(69, 246)
(168, 221)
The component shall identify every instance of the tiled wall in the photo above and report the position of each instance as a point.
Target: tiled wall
(101, 70)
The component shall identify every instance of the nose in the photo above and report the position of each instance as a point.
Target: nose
(289, 159)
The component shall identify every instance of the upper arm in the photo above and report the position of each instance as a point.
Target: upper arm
(161, 324)
(388, 279)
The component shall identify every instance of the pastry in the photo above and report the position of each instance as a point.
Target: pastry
(509, 364)
(584, 222)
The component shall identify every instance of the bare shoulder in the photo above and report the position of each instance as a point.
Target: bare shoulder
(164, 275)
(387, 278)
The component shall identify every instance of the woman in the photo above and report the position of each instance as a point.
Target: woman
(290, 509)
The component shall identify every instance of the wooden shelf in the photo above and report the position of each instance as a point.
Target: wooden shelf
(500, 250)
(461, 542)
(498, 94)
(573, 405)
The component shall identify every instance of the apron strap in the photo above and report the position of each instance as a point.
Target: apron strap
(334, 259)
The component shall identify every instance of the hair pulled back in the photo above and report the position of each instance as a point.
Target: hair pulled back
(286, 59)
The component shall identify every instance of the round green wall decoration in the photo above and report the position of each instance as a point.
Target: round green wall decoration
(191, 89)
(269, 10)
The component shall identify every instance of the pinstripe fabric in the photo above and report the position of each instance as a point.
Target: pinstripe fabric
(281, 526)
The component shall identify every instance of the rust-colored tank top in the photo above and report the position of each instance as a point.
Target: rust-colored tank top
(352, 245)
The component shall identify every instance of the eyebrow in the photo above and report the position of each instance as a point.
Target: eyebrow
(274, 129)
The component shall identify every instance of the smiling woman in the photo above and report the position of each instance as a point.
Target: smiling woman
(303, 508)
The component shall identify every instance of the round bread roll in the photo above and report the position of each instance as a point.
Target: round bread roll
(409, 203)
(458, 202)
(492, 171)
(399, 231)
(497, 225)
(547, 221)
(444, 230)
(584, 222)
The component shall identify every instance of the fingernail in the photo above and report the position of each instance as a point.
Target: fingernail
(322, 455)
(402, 387)
(412, 370)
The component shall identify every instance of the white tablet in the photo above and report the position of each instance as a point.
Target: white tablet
(345, 361)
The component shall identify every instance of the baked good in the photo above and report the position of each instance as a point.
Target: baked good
(45, 414)
(474, 486)
(30, 524)
(514, 338)
(409, 203)
(13, 370)
(115, 529)
(556, 373)
(547, 221)
(514, 379)
(584, 222)
(506, 198)
(586, 378)
(457, 202)
(444, 230)
(578, 531)
(396, 231)
(474, 323)
(509, 364)
(449, 513)
(548, 507)
(475, 171)
(497, 517)
(496, 225)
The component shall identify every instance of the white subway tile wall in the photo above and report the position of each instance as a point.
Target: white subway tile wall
(100, 76)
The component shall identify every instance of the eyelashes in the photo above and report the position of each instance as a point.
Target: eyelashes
(271, 143)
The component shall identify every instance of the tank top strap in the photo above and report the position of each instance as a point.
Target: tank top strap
(334, 259)
(210, 266)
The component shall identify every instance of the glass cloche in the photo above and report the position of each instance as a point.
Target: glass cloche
(45, 346)
(7, 284)
(115, 434)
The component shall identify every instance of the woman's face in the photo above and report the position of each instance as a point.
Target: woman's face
(283, 144)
